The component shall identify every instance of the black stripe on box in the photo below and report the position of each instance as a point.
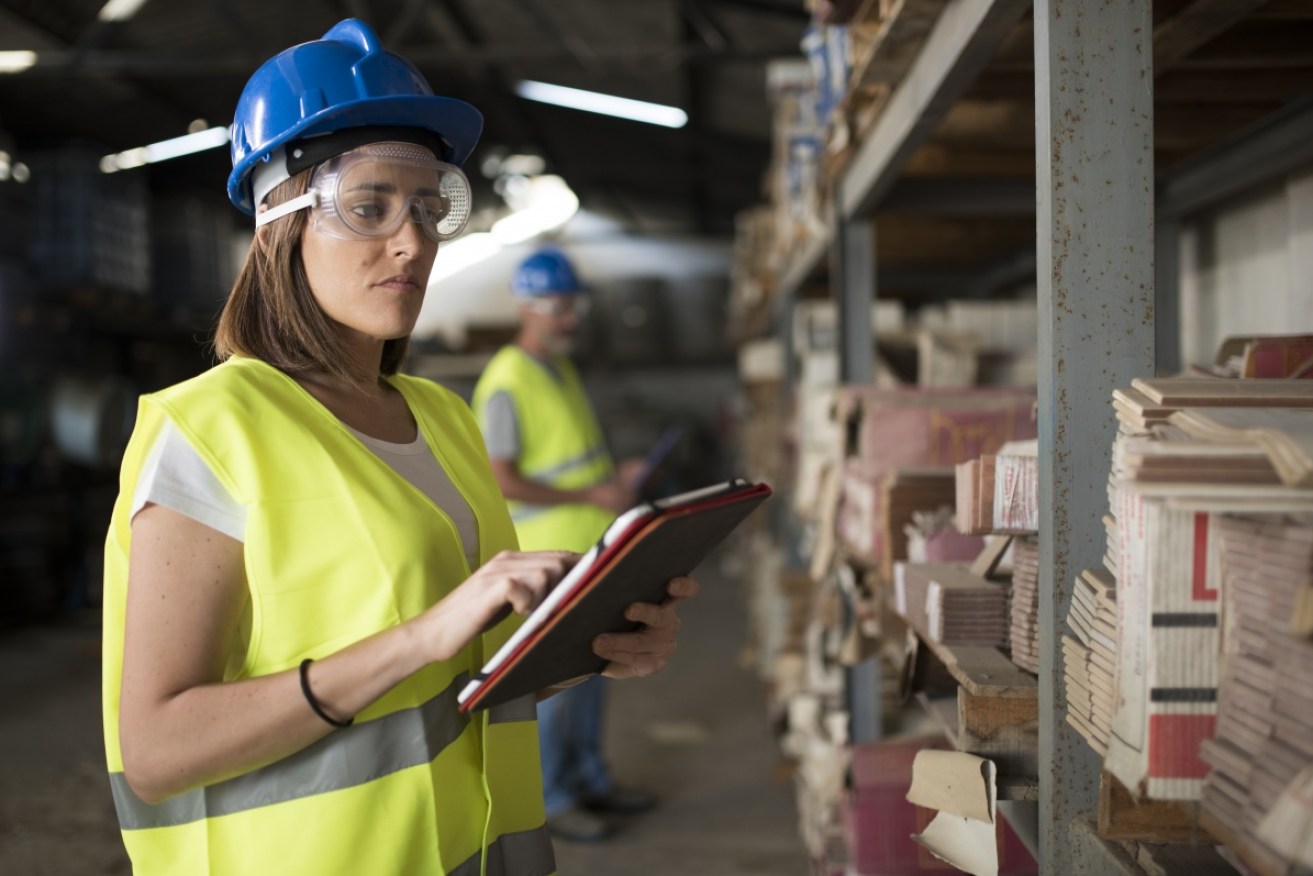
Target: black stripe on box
(1184, 619)
(1183, 695)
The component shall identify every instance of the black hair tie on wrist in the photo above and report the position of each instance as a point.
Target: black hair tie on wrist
(314, 704)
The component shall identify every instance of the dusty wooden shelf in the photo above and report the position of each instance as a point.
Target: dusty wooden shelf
(982, 671)
(946, 713)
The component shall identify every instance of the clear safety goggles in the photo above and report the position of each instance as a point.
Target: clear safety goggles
(369, 192)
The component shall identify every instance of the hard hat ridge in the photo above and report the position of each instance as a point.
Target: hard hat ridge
(344, 80)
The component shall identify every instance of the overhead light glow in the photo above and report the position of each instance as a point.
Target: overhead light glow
(462, 253)
(165, 149)
(547, 203)
(16, 62)
(119, 10)
(606, 104)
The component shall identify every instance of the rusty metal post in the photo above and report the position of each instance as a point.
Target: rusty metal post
(1095, 272)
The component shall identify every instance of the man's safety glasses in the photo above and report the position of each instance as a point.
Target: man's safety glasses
(559, 305)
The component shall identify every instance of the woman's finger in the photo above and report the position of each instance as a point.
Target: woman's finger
(679, 589)
(662, 616)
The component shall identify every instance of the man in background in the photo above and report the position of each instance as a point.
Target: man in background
(550, 458)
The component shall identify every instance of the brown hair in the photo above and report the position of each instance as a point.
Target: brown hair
(272, 315)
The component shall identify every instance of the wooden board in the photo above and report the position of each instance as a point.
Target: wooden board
(1122, 817)
(1185, 392)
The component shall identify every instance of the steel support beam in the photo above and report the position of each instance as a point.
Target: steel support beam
(852, 283)
(967, 34)
(1094, 248)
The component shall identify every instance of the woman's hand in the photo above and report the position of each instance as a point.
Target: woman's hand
(645, 651)
(510, 582)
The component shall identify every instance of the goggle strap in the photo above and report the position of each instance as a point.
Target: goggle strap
(309, 199)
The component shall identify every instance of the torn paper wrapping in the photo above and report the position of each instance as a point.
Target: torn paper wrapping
(962, 788)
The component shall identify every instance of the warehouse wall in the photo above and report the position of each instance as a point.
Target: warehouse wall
(1247, 268)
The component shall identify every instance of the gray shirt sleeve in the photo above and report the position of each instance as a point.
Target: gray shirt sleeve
(501, 430)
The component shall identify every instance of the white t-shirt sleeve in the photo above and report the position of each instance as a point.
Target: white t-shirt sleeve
(176, 477)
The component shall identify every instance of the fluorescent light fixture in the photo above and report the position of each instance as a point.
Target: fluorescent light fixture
(548, 203)
(165, 149)
(606, 104)
(16, 62)
(119, 10)
(462, 253)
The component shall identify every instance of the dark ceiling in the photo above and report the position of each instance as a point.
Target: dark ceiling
(124, 84)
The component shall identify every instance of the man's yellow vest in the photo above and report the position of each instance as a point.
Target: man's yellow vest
(338, 546)
(561, 445)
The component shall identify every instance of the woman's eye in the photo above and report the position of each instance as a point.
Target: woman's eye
(368, 210)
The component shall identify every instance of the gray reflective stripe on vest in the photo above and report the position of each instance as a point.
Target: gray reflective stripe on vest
(528, 853)
(348, 757)
(520, 512)
(523, 708)
(552, 471)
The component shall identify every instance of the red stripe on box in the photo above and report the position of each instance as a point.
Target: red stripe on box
(1174, 742)
(1202, 592)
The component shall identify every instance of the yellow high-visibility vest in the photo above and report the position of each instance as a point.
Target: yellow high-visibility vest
(561, 445)
(338, 546)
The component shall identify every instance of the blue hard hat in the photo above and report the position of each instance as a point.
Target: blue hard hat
(546, 272)
(345, 80)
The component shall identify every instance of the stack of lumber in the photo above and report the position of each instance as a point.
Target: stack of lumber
(999, 493)
(952, 605)
(1264, 735)
(1024, 633)
(1191, 454)
(975, 495)
(1282, 436)
(1151, 401)
(1089, 657)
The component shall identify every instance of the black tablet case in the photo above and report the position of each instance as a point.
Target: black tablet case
(670, 545)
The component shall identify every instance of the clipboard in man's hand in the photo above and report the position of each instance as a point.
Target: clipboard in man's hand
(633, 562)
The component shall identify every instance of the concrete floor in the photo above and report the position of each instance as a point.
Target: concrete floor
(697, 735)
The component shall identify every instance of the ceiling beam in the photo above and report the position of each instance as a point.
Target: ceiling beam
(49, 44)
(574, 44)
(404, 22)
(1196, 24)
(1280, 144)
(790, 9)
(956, 50)
(609, 59)
(701, 21)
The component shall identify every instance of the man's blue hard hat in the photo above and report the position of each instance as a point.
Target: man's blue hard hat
(345, 80)
(546, 272)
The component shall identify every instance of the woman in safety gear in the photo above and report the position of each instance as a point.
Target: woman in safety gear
(309, 555)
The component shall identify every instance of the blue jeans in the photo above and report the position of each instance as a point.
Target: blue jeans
(570, 737)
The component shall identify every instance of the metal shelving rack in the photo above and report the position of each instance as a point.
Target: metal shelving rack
(1106, 285)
